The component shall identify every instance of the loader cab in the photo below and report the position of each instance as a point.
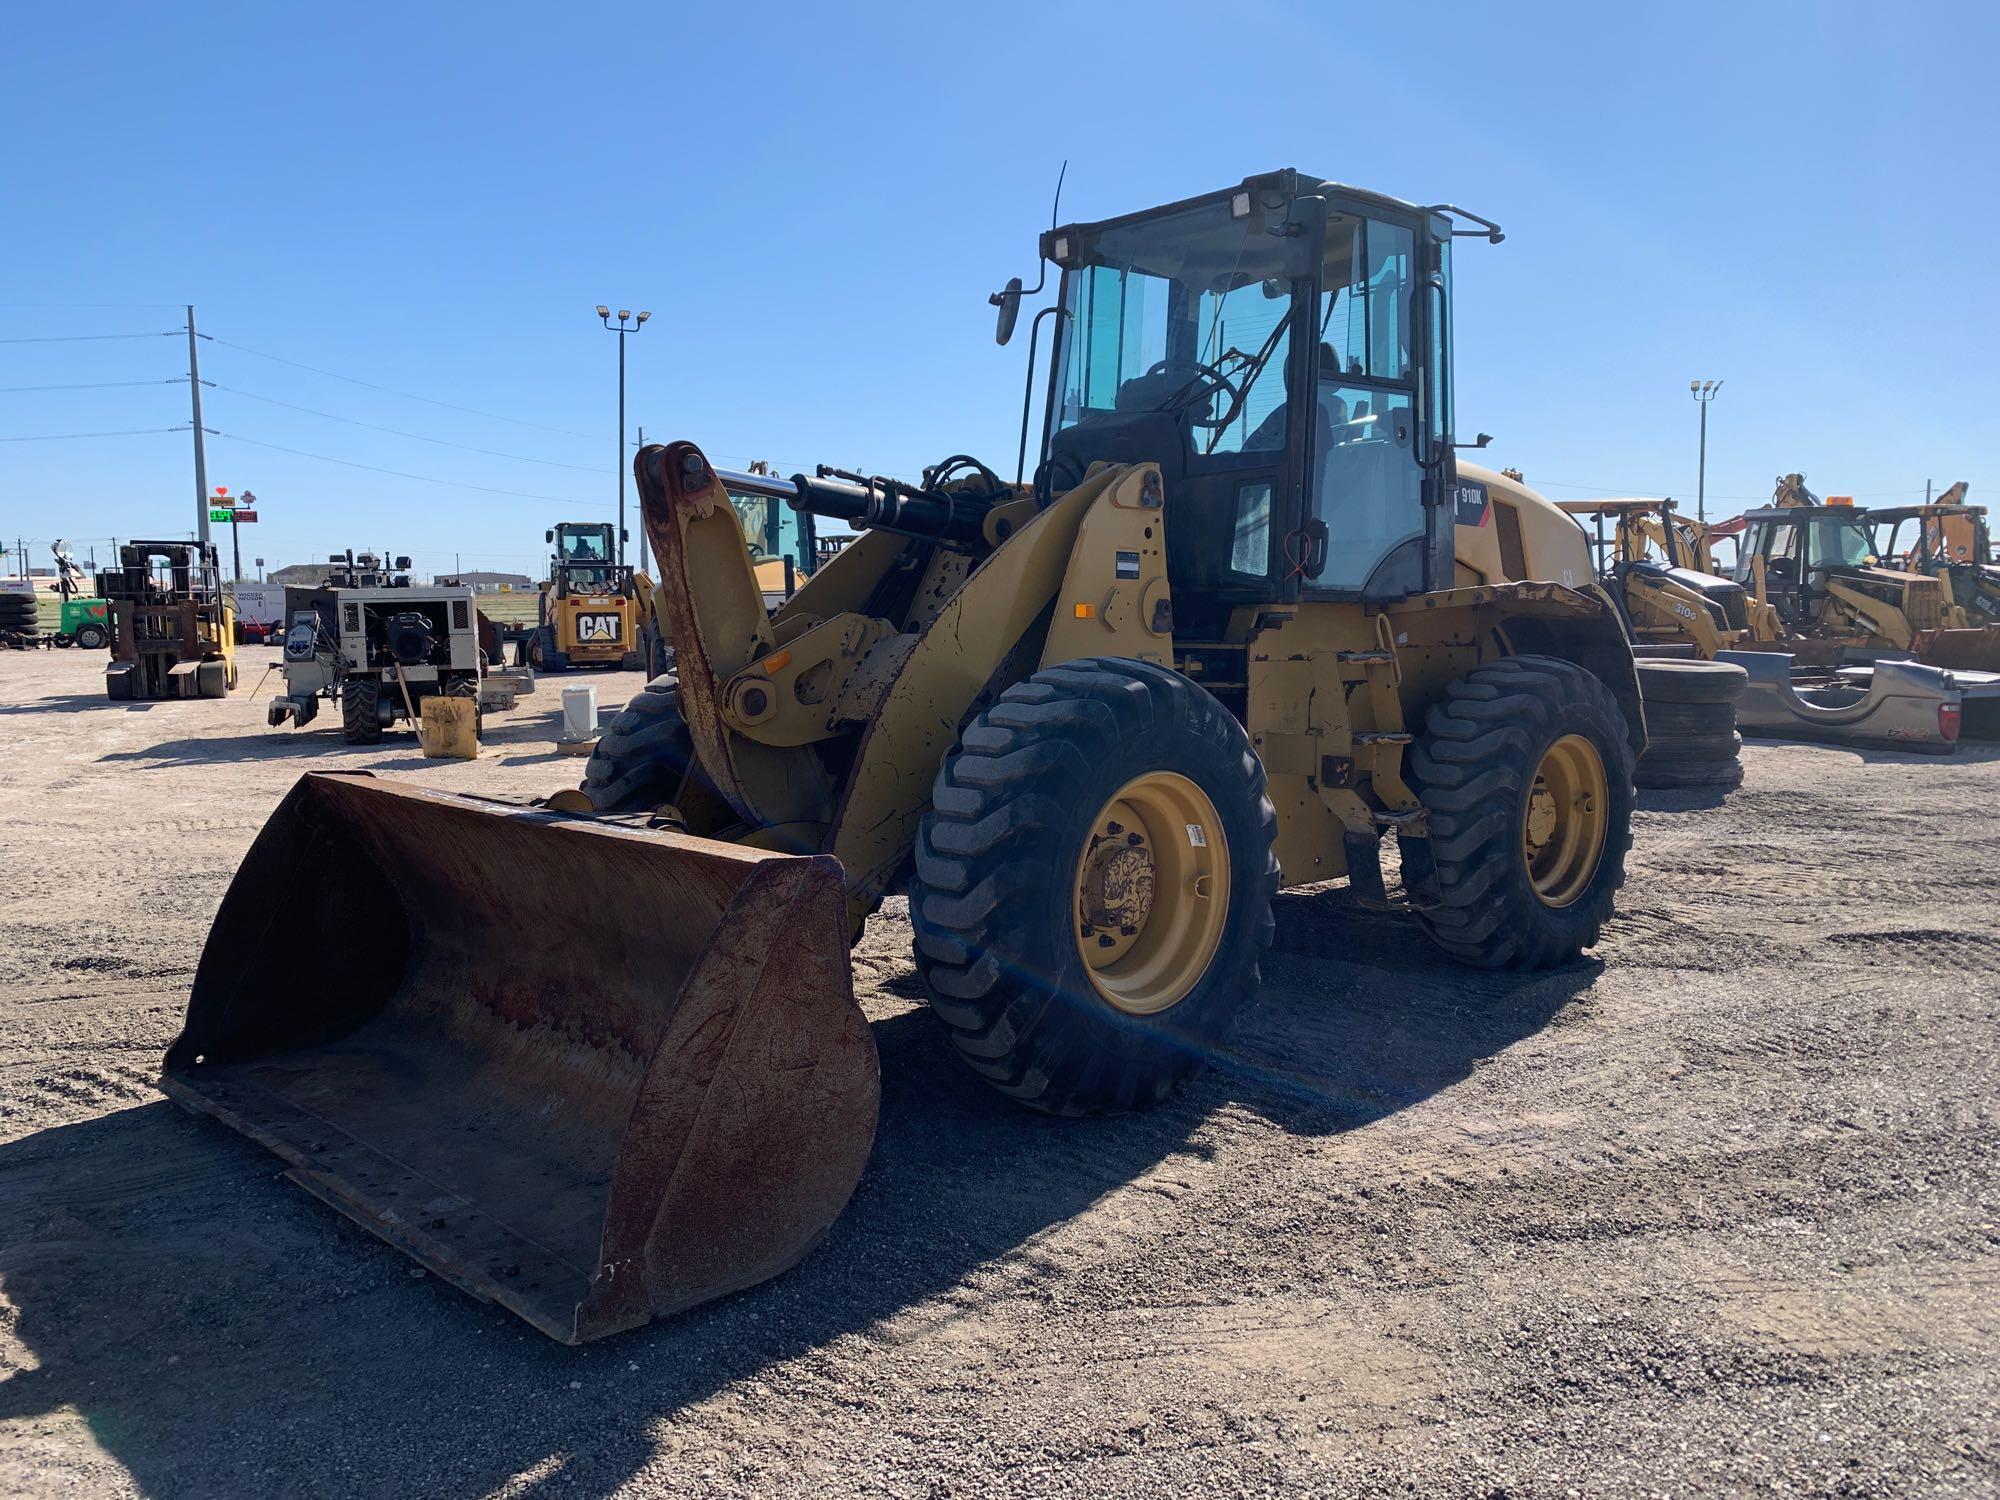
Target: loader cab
(1800, 549)
(775, 532)
(585, 560)
(1929, 536)
(1281, 350)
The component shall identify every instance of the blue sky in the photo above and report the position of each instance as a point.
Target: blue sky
(813, 201)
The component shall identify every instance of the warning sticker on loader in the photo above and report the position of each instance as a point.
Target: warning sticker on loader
(592, 628)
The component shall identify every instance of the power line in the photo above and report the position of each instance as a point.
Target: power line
(86, 338)
(89, 385)
(401, 474)
(407, 395)
(53, 437)
(417, 436)
(124, 306)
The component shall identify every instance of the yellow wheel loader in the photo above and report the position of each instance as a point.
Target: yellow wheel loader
(1248, 620)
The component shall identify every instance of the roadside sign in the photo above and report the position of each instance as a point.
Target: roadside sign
(245, 516)
(221, 515)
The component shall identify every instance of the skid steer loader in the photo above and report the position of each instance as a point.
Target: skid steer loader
(1248, 621)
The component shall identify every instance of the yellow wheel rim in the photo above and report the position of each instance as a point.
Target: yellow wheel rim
(1151, 892)
(1564, 825)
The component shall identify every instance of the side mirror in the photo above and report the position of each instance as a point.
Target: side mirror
(624, 534)
(548, 536)
(1008, 300)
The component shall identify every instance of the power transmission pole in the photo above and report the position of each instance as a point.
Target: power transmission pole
(200, 453)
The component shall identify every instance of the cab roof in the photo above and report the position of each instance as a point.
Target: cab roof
(1615, 507)
(1287, 180)
(1913, 512)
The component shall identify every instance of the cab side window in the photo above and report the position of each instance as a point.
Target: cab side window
(1365, 298)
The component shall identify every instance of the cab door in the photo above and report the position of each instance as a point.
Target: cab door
(1378, 444)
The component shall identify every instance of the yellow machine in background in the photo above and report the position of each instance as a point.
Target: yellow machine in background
(1657, 564)
(783, 543)
(591, 612)
(173, 632)
(1948, 540)
(1819, 567)
(1247, 622)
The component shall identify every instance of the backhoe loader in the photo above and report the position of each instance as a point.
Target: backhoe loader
(1656, 564)
(1948, 540)
(1248, 619)
(1820, 567)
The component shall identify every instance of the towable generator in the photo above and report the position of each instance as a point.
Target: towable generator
(1247, 621)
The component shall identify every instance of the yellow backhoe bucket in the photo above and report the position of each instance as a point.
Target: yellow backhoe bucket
(592, 1073)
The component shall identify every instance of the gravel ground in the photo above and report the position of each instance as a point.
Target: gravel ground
(1713, 1211)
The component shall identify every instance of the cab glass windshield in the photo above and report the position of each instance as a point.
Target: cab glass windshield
(1187, 312)
(1841, 542)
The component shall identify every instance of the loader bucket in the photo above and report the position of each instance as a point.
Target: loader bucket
(589, 1072)
(1976, 649)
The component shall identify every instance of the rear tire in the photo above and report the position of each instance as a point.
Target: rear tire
(1074, 961)
(92, 637)
(1489, 753)
(361, 710)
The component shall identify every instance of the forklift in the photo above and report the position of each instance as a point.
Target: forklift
(172, 632)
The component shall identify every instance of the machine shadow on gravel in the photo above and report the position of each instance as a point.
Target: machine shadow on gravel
(513, 732)
(216, 1325)
(75, 703)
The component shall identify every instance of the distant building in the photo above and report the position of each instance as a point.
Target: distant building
(487, 583)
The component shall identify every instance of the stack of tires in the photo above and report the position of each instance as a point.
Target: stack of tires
(17, 618)
(1691, 738)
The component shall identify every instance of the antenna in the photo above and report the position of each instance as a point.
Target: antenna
(1035, 327)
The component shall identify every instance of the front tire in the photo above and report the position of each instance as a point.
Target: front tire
(1093, 886)
(361, 710)
(645, 758)
(1526, 771)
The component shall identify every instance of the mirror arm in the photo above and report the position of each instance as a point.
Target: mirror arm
(1028, 388)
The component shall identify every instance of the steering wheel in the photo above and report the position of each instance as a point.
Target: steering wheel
(1216, 381)
(1782, 569)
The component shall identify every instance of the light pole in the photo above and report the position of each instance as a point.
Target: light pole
(604, 314)
(1703, 392)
